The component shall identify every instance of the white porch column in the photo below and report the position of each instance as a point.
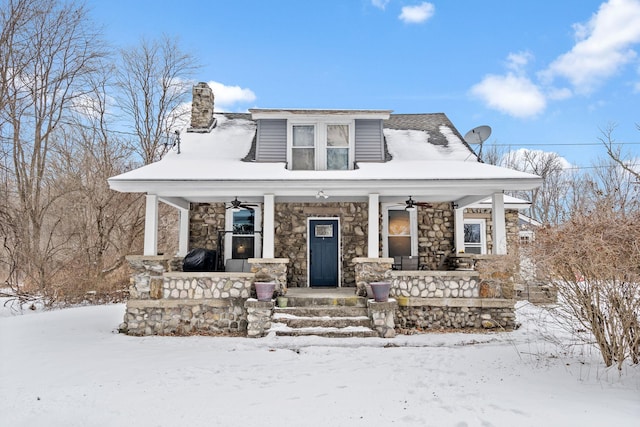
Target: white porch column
(374, 226)
(268, 231)
(459, 229)
(183, 233)
(151, 226)
(499, 227)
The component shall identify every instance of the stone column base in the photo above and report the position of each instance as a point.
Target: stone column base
(382, 315)
(259, 314)
(371, 270)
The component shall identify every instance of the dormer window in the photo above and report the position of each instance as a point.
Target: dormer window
(319, 140)
(320, 145)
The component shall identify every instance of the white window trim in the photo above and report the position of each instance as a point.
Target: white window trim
(320, 139)
(413, 226)
(483, 233)
(228, 237)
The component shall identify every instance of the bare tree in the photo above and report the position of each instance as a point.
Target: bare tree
(549, 203)
(614, 150)
(46, 59)
(154, 80)
(105, 225)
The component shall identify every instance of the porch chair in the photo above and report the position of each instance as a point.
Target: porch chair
(237, 265)
(409, 263)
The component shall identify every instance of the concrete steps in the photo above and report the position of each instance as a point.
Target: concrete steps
(323, 313)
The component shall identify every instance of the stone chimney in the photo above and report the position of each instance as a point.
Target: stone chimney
(202, 119)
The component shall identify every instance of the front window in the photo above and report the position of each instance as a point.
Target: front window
(243, 241)
(474, 236)
(400, 232)
(321, 146)
(242, 237)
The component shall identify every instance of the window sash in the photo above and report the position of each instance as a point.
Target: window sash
(303, 158)
(475, 236)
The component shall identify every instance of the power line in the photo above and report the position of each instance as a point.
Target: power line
(571, 144)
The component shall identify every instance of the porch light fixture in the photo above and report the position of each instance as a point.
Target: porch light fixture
(410, 205)
(322, 194)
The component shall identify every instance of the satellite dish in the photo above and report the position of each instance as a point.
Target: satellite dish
(477, 135)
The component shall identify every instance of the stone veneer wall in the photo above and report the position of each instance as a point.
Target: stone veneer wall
(434, 316)
(435, 234)
(435, 284)
(205, 220)
(291, 235)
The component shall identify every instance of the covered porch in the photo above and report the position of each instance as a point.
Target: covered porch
(432, 238)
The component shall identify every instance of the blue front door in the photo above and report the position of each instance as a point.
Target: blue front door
(323, 252)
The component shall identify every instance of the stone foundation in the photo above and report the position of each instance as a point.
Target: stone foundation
(185, 317)
(442, 313)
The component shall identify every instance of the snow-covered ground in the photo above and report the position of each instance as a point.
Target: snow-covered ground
(70, 368)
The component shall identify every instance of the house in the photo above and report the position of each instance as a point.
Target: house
(292, 192)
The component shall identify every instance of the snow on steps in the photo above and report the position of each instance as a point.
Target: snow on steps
(326, 321)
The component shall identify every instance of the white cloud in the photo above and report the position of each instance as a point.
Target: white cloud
(417, 14)
(380, 4)
(603, 46)
(512, 94)
(226, 97)
(518, 61)
(558, 94)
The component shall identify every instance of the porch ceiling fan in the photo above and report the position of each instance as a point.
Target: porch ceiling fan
(237, 205)
(411, 205)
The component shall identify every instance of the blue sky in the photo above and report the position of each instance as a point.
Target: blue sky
(546, 74)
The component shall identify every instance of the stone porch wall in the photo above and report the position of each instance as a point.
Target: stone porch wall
(442, 313)
(434, 284)
(449, 299)
(165, 302)
(443, 299)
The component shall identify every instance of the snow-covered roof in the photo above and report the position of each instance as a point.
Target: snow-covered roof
(420, 158)
(510, 202)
